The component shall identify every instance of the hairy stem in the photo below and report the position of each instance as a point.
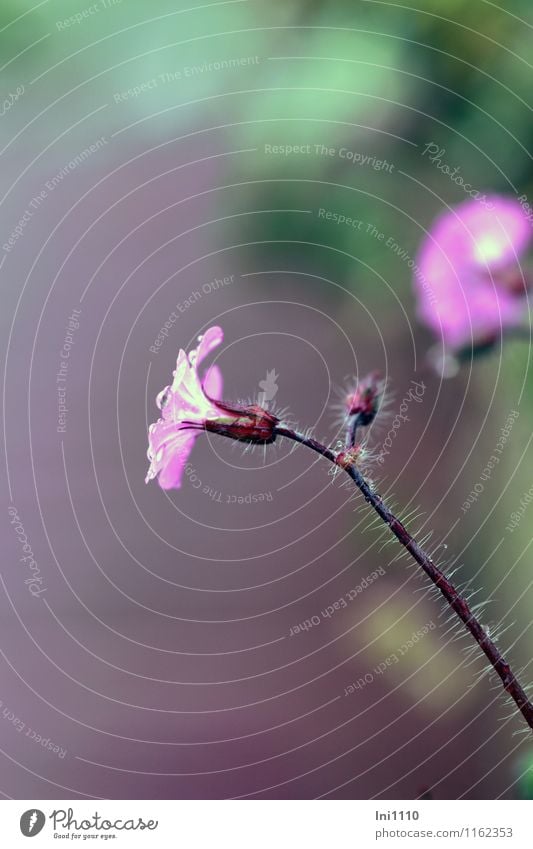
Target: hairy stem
(438, 578)
(351, 431)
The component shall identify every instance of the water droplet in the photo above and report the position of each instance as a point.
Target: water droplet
(201, 336)
(162, 398)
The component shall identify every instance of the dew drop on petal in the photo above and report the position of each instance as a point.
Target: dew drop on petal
(162, 398)
(201, 336)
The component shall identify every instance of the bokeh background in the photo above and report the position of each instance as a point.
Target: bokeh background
(144, 147)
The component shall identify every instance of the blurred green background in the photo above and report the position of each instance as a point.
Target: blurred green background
(382, 80)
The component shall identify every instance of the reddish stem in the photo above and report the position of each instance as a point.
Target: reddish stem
(438, 578)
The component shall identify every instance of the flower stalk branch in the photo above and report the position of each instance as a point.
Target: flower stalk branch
(453, 597)
(192, 405)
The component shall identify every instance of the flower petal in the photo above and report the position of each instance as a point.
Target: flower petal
(182, 364)
(185, 407)
(496, 236)
(458, 296)
(208, 342)
(176, 455)
(213, 383)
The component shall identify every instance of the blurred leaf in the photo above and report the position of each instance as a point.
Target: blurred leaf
(525, 784)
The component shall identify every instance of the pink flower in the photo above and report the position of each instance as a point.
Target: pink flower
(191, 406)
(464, 270)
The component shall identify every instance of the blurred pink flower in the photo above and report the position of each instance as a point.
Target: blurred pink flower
(191, 406)
(464, 269)
(185, 406)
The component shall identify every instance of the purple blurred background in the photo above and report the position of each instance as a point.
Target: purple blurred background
(159, 653)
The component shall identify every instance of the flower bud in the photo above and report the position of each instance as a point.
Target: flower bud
(364, 401)
(248, 424)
